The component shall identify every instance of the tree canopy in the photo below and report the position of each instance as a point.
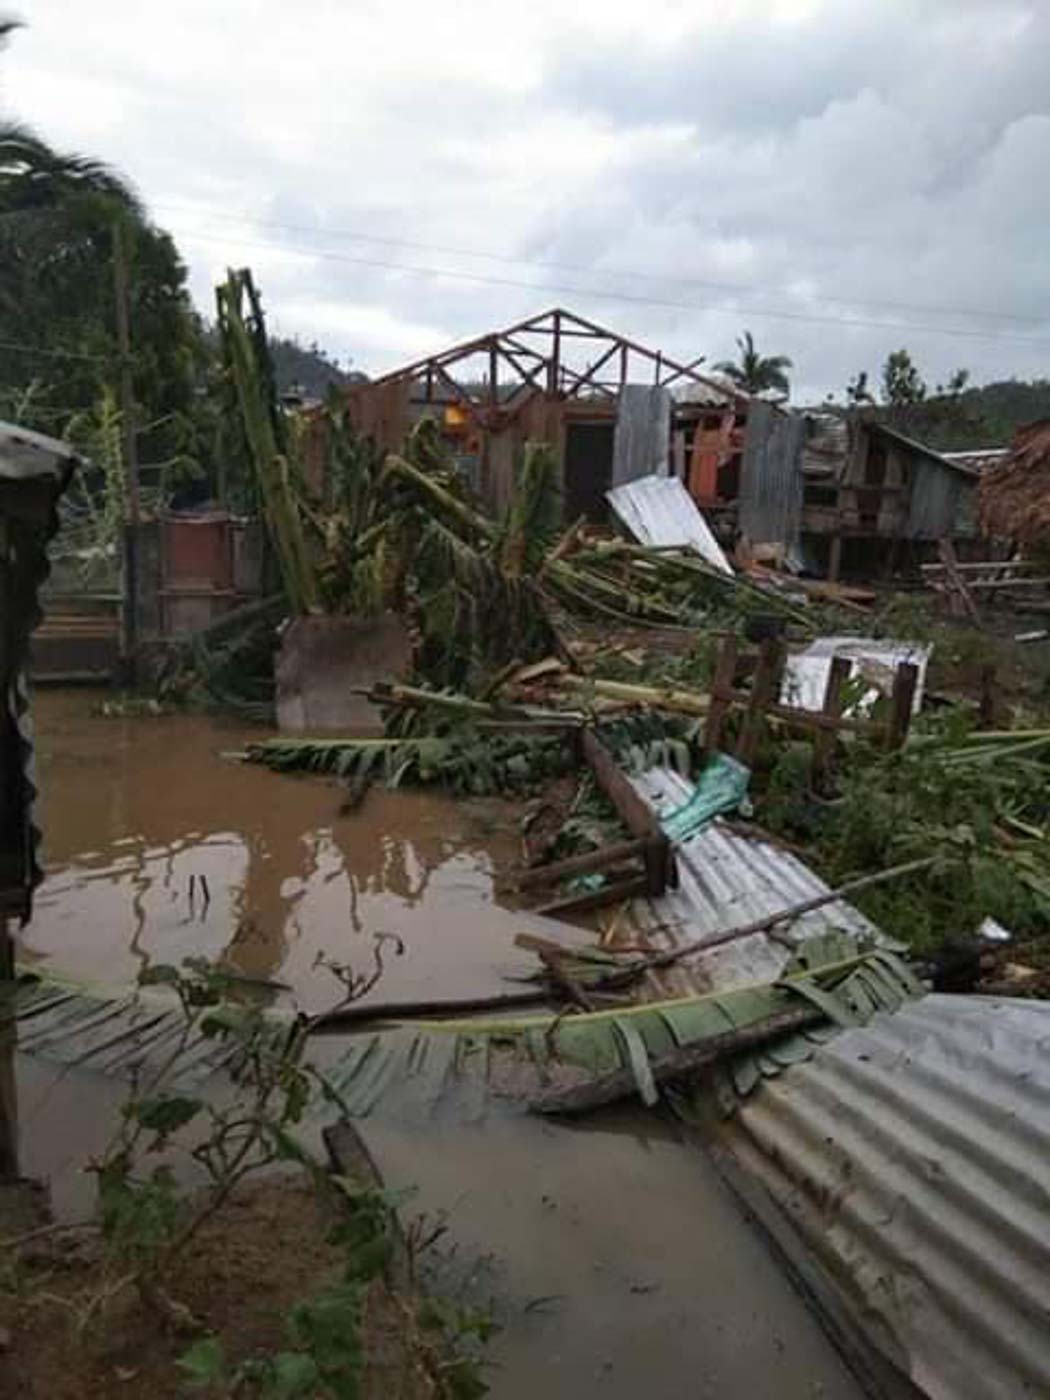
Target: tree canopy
(58, 345)
(755, 373)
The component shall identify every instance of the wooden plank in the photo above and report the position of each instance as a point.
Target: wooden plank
(584, 864)
(722, 695)
(764, 687)
(905, 682)
(991, 564)
(597, 899)
(959, 599)
(634, 811)
(824, 739)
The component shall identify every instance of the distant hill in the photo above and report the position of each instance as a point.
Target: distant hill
(308, 368)
(979, 417)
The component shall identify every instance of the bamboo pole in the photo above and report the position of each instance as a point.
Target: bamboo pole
(687, 701)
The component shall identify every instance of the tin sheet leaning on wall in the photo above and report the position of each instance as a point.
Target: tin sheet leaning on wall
(642, 440)
(771, 475)
(911, 1156)
(660, 512)
(936, 496)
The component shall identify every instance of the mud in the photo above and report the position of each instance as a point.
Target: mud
(613, 1259)
(157, 846)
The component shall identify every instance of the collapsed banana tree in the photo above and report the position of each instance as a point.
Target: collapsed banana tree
(400, 533)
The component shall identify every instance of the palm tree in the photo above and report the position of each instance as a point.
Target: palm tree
(33, 175)
(755, 373)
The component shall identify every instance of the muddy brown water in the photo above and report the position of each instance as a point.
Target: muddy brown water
(135, 811)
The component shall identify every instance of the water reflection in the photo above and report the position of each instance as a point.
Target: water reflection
(158, 847)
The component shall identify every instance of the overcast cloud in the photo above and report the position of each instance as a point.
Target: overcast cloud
(799, 168)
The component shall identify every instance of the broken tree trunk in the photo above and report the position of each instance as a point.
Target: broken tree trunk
(678, 1064)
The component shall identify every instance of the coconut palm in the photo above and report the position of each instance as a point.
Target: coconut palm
(755, 373)
(33, 175)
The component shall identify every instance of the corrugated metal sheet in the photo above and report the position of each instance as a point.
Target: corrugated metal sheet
(825, 444)
(659, 511)
(934, 505)
(771, 475)
(726, 879)
(642, 439)
(978, 460)
(912, 1156)
(806, 672)
(25, 455)
(716, 391)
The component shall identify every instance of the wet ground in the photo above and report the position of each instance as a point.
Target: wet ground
(616, 1260)
(158, 846)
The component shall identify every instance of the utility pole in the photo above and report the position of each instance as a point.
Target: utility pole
(131, 457)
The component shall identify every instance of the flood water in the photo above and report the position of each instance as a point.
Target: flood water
(137, 810)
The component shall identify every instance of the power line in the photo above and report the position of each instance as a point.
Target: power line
(52, 353)
(732, 287)
(477, 277)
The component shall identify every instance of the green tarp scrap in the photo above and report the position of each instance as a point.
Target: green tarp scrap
(722, 787)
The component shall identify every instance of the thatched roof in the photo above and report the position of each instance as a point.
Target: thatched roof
(1015, 495)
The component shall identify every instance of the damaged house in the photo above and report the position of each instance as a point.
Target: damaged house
(842, 492)
(612, 409)
(845, 492)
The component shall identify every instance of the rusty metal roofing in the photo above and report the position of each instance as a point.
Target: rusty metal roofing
(726, 879)
(911, 1156)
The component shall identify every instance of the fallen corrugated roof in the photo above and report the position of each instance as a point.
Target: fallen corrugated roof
(660, 513)
(911, 1156)
(726, 879)
(25, 454)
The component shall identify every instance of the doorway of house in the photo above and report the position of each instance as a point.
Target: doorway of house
(588, 469)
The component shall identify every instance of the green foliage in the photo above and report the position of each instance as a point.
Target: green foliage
(461, 759)
(534, 517)
(147, 1222)
(902, 384)
(250, 370)
(57, 215)
(940, 796)
(755, 373)
(305, 368)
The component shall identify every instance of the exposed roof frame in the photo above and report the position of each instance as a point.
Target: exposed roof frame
(534, 349)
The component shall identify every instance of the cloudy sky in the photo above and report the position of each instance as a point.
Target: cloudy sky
(841, 178)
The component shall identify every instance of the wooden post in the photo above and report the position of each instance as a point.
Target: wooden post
(986, 715)
(721, 695)
(764, 691)
(960, 599)
(8, 1087)
(835, 558)
(902, 699)
(131, 459)
(824, 738)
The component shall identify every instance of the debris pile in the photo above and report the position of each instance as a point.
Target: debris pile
(563, 664)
